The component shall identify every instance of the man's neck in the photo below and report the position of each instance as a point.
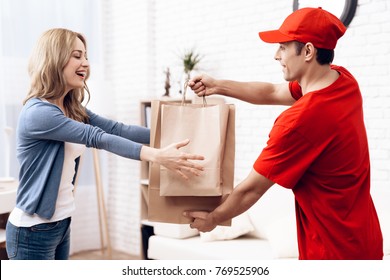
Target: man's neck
(318, 77)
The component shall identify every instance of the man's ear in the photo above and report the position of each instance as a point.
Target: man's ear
(309, 51)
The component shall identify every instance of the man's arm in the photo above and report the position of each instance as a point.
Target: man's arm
(252, 92)
(247, 193)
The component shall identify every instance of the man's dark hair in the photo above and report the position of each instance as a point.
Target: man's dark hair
(324, 56)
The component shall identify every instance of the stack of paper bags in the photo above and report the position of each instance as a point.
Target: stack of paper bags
(211, 130)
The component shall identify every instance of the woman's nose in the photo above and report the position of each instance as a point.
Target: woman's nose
(85, 63)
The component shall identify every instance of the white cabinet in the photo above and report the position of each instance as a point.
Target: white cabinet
(7, 202)
(7, 196)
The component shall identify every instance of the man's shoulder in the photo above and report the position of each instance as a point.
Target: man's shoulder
(347, 79)
(341, 69)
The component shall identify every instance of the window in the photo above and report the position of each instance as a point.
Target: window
(21, 24)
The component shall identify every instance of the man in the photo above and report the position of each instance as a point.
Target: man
(317, 147)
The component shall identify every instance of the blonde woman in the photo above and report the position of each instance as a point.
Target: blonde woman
(53, 130)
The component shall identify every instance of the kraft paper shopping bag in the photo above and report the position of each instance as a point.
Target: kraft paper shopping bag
(205, 126)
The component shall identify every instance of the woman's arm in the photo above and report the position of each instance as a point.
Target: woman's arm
(45, 121)
(134, 133)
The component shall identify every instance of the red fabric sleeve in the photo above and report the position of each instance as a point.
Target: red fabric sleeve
(286, 157)
(295, 89)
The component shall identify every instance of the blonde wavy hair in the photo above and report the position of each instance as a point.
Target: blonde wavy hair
(50, 55)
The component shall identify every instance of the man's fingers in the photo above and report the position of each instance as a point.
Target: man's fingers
(195, 80)
(196, 214)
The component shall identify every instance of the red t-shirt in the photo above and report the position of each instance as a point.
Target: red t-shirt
(318, 148)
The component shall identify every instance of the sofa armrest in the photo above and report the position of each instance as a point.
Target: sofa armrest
(243, 248)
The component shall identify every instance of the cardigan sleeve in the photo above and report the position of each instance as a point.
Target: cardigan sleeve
(42, 120)
(135, 133)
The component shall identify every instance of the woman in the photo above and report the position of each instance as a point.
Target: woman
(54, 128)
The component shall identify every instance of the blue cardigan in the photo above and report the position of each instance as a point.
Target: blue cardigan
(41, 133)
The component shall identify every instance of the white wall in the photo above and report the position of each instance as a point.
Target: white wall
(129, 60)
(142, 38)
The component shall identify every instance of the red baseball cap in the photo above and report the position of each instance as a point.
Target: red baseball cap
(305, 25)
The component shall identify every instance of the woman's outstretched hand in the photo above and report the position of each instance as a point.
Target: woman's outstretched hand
(174, 159)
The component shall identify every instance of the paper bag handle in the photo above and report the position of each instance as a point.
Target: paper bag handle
(183, 99)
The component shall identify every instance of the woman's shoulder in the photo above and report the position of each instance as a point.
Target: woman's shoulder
(39, 107)
(39, 113)
(37, 101)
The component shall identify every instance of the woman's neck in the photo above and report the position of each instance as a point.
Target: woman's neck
(59, 102)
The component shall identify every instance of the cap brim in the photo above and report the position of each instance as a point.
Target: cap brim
(274, 36)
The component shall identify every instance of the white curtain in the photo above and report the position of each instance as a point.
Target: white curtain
(21, 23)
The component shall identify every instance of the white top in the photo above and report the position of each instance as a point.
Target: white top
(65, 202)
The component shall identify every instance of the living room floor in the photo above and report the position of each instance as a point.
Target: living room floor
(100, 255)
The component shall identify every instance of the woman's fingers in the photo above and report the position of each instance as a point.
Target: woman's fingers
(184, 165)
(187, 156)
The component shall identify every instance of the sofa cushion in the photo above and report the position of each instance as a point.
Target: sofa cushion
(242, 248)
(381, 198)
(282, 236)
(385, 226)
(275, 204)
(241, 225)
(178, 231)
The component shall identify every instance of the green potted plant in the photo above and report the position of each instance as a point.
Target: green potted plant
(190, 60)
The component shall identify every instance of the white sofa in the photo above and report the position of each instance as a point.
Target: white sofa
(266, 231)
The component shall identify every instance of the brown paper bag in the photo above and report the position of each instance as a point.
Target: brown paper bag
(170, 209)
(205, 126)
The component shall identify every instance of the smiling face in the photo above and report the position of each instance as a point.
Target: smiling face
(76, 69)
(292, 63)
